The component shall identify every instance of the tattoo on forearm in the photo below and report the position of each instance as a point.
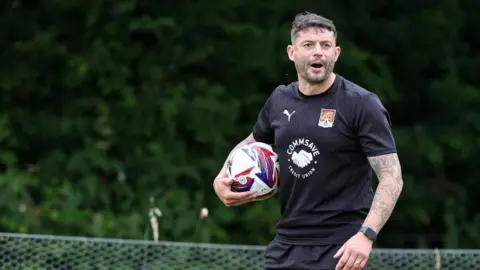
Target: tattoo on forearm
(388, 171)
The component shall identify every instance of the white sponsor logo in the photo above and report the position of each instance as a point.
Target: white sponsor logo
(302, 154)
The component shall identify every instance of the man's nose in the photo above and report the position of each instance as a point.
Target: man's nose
(318, 50)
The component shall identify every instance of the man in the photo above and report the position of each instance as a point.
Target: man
(329, 133)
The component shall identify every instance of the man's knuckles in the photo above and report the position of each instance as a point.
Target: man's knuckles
(352, 253)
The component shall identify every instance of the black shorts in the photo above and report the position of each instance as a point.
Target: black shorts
(294, 257)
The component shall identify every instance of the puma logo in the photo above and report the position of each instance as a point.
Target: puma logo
(288, 114)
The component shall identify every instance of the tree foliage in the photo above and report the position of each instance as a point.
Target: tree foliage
(111, 107)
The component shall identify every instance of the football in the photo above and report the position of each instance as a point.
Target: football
(255, 167)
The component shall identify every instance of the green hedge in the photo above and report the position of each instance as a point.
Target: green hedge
(108, 106)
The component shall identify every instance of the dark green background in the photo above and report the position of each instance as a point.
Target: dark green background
(108, 105)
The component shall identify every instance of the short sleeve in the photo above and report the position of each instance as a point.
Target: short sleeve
(262, 130)
(374, 127)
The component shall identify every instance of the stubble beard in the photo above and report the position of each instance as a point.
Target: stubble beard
(302, 69)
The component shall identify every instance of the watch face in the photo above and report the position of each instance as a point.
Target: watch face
(369, 233)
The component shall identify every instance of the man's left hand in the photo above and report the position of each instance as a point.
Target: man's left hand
(354, 253)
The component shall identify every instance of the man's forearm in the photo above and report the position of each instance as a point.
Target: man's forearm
(389, 173)
(223, 171)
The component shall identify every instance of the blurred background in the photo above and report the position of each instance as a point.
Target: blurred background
(112, 108)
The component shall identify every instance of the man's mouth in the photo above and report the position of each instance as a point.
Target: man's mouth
(316, 65)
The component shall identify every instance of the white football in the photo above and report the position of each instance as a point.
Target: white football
(255, 167)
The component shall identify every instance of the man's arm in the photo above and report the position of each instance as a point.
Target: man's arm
(223, 171)
(262, 131)
(222, 184)
(389, 173)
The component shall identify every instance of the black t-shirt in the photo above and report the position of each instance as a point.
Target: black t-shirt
(323, 142)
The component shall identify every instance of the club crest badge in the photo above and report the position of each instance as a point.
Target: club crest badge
(327, 118)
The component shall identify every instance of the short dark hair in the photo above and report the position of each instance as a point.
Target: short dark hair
(305, 20)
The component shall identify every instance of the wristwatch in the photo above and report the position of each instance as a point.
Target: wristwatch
(369, 233)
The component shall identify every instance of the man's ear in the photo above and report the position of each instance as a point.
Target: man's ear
(338, 50)
(290, 52)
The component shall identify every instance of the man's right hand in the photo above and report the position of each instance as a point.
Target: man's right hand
(223, 188)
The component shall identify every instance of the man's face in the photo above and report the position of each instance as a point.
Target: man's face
(314, 52)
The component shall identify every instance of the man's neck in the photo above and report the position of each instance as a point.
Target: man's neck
(310, 89)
